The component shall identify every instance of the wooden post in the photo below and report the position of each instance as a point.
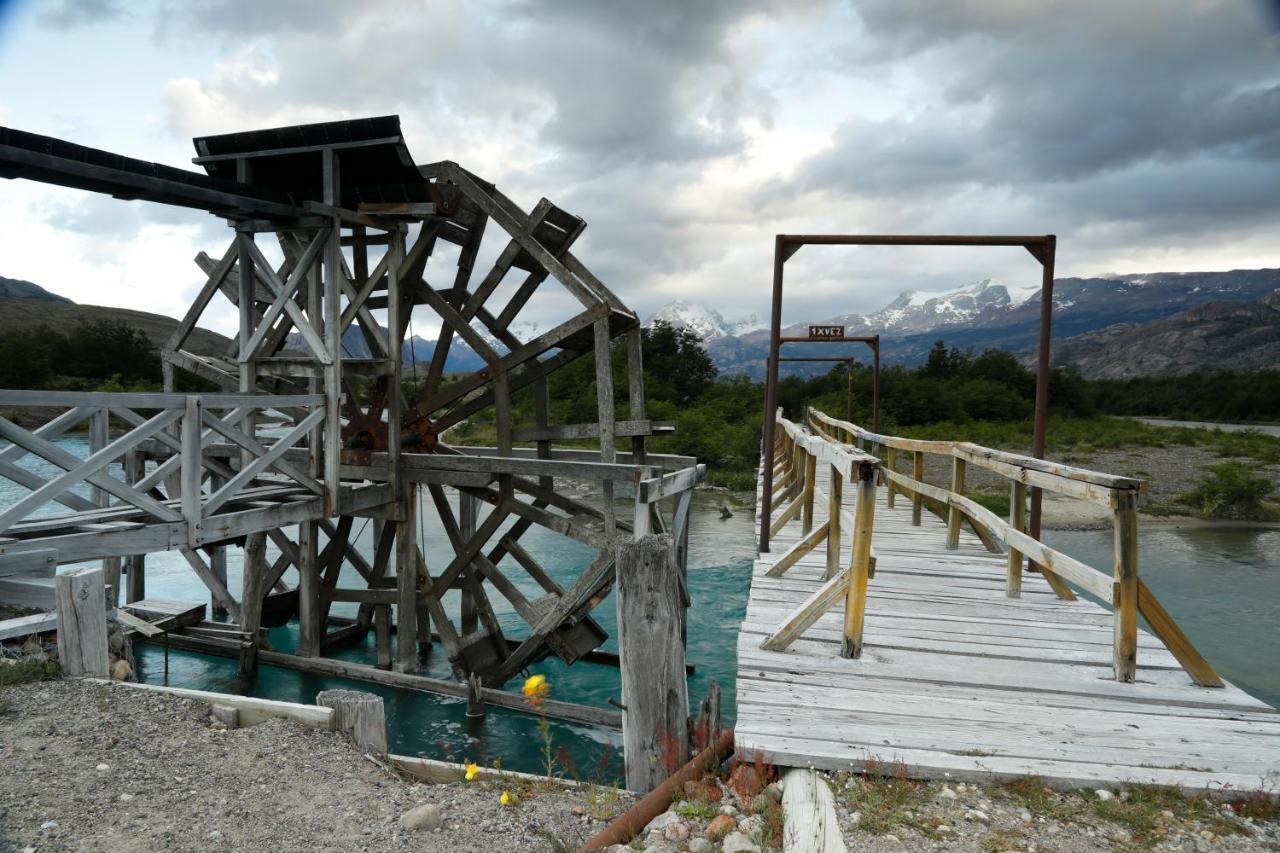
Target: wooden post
(135, 565)
(1018, 521)
(82, 623)
(217, 558)
(382, 634)
(255, 570)
(310, 628)
(835, 495)
(917, 474)
(810, 481)
(475, 696)
(407, 582)
(1125, 530)
(358, 715)
(890, 464)
(654, 691)
(953, 514)
(855, 605)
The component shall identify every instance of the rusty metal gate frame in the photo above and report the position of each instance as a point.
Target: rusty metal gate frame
(1042, 247)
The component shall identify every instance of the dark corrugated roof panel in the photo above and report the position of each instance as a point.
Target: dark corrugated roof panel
(374, 162)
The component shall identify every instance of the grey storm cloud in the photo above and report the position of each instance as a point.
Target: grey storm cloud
(1146, 123)
(1088, 104)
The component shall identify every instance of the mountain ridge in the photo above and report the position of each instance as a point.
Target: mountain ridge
(990, 314)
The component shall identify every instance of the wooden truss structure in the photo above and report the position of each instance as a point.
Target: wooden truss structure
(336, 241)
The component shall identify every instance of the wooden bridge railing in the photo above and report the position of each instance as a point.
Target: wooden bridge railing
(1124, 590)
(799, 454)
(184, 426)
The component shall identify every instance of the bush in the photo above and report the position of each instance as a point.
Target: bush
(1231, 490)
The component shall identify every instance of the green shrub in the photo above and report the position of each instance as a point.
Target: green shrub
(1231, 490)
(28, 669)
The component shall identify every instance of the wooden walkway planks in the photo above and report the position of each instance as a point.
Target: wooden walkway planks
(958, 681)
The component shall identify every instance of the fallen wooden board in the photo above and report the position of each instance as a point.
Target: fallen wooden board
(251, 709)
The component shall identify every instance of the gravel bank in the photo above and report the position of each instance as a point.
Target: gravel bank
(89, 767)
(888, 814)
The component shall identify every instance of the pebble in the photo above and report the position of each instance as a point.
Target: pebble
(49, 824)
(126, 797)
(978, 815)
(661, 848)
(215, 835)
(1024, 816)
(425, 818)
(103, 768)
(774, 791)
(729, 810)
(720, 826)
(946, 794)
(855, 818)
(701, 845)
(750, 825)
(736, 842)
(1104, 795)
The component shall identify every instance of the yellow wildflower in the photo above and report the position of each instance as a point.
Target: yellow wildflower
(536, 687)
(472, 771)
(505, 799)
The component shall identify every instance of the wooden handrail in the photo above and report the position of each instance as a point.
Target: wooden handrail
(1123, 590)
(800, 453)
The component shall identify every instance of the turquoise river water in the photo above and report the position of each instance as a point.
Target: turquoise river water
(1222, 585)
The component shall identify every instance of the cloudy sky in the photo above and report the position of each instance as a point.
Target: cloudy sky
(1145, 134)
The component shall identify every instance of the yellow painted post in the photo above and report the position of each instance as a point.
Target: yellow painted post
(953, 514)
(1125, 530)
(810, 478)
(834, 497)
(855, 606)
(891, 464)
(1018, 521)
(917, 474)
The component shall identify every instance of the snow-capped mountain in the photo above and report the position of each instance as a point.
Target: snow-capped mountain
(913, 311)
(989, 314)
(708, 323)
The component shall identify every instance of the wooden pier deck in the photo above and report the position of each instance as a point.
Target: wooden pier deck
(958, 681)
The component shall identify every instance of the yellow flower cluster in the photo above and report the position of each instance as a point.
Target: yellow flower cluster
(472, 771)
(536, 687)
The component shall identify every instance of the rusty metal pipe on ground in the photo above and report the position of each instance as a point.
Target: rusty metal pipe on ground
(625, 826)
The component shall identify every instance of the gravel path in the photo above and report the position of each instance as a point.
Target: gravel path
(90, 767)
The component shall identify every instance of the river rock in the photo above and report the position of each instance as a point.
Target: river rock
(661, 822)
(946, 794)
(750, 825)
(424, 818)
(736, 842)
(700, 845)
(774, 791)
(720, 826)
(1104, 795)
(745, 781)
(676, 833)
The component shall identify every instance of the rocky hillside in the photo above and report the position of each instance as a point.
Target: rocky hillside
(1215, 336)
(16, 288)
(24, 305)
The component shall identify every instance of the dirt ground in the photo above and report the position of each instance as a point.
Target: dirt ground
(92, 767)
